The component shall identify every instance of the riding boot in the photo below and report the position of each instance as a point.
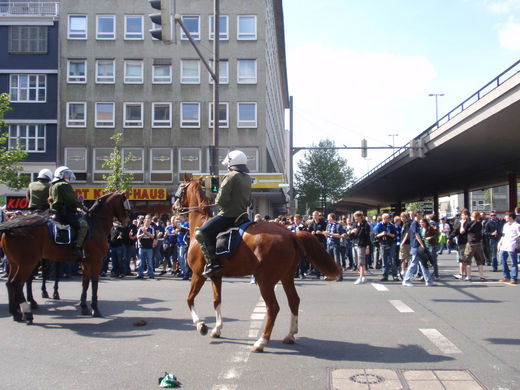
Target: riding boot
(212, 265)
(77, 250)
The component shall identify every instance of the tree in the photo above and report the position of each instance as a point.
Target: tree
(322, 176)
(10, 168)
(118, 179)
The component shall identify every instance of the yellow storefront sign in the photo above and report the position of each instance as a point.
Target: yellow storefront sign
(260, 180)
(133, 194)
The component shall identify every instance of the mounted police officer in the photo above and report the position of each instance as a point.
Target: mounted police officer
(38, 191)
(65, 202)
(233, 198)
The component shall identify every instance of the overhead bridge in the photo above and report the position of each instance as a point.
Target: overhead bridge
(475, 146)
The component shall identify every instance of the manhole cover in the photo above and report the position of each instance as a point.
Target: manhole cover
(367, 379)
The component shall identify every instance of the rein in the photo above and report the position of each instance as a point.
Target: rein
(194, 208)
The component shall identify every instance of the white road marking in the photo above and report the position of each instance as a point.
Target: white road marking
(401, 306)
(440, 341)
(380, 287)
(257, 316)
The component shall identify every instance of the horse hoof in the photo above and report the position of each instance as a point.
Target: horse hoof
(202, 328)
(215, 334)
(85, 311)
(17, 317)
(288, 340)
(45, 294)
(96, 313)
(257, 349)
(56, 296)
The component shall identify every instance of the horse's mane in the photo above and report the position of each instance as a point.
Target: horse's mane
(25, 221)
(99, 203)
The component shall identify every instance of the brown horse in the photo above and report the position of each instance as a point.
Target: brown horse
(26, 240)
(268, 251)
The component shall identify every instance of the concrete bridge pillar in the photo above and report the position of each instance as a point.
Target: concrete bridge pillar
(466, 199)
(513, 192)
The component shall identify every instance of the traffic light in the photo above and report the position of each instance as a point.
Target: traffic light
(364, 148)
(164, 33)
(214, 184)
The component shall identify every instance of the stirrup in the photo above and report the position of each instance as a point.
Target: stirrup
(211, 269)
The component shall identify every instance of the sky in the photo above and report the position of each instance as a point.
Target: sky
(364, 68)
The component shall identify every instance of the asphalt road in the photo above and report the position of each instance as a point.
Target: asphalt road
(452, 326)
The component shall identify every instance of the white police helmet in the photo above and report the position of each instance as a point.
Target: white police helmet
(45, 174)
(236, 160)
(60, 173)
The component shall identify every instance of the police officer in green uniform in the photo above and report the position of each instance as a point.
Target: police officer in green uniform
(65, 202)
(233, 198)
(38, 191)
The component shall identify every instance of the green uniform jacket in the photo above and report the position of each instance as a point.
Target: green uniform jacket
(64, 196)
(234, 194)
(38, 194)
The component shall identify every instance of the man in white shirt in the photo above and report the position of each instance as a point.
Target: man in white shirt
(506, 247)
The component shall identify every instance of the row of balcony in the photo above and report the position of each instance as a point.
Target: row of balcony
(23, 8)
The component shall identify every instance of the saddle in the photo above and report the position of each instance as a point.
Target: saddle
(63, 233)
(228, 240)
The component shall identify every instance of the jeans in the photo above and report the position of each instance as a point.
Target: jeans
(146, 255)
(514, 268)
(433, 251)
(388, 261)
(118, 260)
(182, 252)
(493, 253)
(412, 267)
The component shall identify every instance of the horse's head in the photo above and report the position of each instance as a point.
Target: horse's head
(116, 203)
(189, 194)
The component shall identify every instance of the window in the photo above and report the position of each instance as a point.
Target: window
(105, 114)
(246, 71)
(161, 165)
(162, 115)
(133, 72)
(223, 115)
(77, 71)
(77, 27)
(101, 155)
(223, 27)
(192, 23)
(28, 39)
(223, 72)
(190, 115)
(28, 88)
(30, 137)
(252, 158)
(190, 71)
(133, 115)
(105, 72)
(76, 159)
(246, 115)
(162, 71)
(77, 114)
(105, 27)
(134, 162)
(246, 27)
(134, 27)
(189, 160)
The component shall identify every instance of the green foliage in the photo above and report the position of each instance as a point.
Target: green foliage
(118, 179)
(322, 176)
(9, 158)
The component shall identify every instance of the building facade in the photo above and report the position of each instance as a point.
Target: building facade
(29, 73)
(115, 78)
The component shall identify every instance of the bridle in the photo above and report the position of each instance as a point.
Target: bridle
(179, 198)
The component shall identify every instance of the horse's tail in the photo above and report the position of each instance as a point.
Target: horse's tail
(317, 255)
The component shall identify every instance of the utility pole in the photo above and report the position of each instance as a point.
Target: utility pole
(291, 156)
(393, 140)
(216, 82)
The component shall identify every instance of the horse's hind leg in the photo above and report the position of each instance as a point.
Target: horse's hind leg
(28, 288)
(45, 276)
(217, 300)
(83, 300)
(267, 291)
(197, 281)
(94, 300)
(294, 304)
(57, 272)
(13, 305)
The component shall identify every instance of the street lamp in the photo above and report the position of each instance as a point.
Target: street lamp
(436, 106)
(393, 139)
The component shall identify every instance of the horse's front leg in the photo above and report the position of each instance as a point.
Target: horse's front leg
(57, 272)
(94, 302)
(217, 300)
(83, 300)
(30, 298)
(267, 291)
(197, 281)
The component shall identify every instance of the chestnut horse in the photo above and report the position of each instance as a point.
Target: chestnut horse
(268, 251)
(26, 240)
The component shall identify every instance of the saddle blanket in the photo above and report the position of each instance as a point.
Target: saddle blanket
(228, 241)
(59, 233)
